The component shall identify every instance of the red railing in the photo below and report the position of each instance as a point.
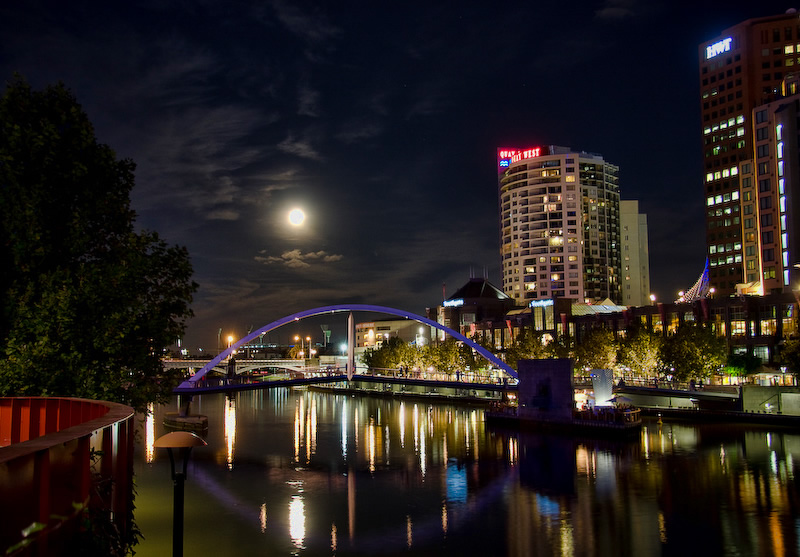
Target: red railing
(61, 458)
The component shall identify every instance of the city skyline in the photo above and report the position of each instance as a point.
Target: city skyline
(382, 124)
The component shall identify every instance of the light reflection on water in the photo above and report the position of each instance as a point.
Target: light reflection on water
(317, 473)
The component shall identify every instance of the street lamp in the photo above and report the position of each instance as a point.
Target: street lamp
(184, 441)
(302, 346)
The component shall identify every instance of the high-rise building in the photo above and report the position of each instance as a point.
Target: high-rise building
(635, 275)
(559, 225)
(749, 230)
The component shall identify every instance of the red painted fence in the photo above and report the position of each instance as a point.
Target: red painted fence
(59, 459)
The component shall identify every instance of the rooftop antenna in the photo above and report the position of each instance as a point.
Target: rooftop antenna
(444, 296)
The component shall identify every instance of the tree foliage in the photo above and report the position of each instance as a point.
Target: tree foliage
(640, 352)
(693, 352)
(526, 346)
(790, 356)
(598, 350)
(88, 303)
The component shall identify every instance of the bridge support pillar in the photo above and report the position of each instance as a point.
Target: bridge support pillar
(351, 346)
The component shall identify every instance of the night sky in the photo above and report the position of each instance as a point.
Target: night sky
(381, 121)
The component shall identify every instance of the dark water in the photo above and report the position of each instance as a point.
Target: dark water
(294, 472)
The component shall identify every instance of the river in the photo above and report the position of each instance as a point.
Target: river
(301, 472)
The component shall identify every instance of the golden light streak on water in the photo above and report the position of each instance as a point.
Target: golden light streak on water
(444, 518)
(344, 429)
(297, 521)
(149, 434)
(778, 545)
(351, 502)
(567, 534)
(409, 530)
(333, 537)
(423, 456)
(297, 433)
(371, 444)
(313, 434)
(416, 427)
(402, 419)
(386, 444)
(474, 417)
(662, 527)
(230, 429)
(262, 517)
(513, 451)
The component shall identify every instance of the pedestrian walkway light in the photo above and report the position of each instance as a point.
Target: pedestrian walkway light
(183, 441)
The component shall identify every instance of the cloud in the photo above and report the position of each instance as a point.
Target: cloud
(308, 102)
(353, 132)
(314, 28)
(301, 148)
(295, 259)
(615, 10)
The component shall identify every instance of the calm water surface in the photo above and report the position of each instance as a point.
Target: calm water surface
(296, 472)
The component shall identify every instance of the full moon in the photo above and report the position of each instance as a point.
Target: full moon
(296, 217)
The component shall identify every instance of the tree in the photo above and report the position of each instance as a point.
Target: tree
(526, 346)
(597, 350)
(640, 352)
(790, 356)
(693, 352)
(88, 304)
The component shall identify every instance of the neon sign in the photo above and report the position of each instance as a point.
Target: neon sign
(540, 303)
(718, 48)
(506, 157)
(454, 303)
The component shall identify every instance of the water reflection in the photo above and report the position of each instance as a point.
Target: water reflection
(427, 479)
(230, 429)
(149, 434)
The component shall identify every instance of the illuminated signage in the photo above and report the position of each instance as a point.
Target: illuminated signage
(454, 303)
(506, 157)
(540, 303)
(718, 48)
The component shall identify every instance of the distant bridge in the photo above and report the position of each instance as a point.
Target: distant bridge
(192, 382)
(243, 365)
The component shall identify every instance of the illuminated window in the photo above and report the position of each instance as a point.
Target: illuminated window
(735, 195)
(570, 179)
(710, 201)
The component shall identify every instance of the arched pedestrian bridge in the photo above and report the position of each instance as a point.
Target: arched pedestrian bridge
(192, 383)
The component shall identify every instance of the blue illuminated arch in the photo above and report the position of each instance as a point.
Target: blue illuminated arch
(190, 383)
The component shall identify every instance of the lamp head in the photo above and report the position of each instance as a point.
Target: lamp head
(184, 441)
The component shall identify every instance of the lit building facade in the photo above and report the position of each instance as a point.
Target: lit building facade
(559, 225)
(373, 334)
(742, 98)
(635, 275)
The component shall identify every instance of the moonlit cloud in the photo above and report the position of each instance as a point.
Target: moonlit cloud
(299, 147)
(614, 10)
(295, 259)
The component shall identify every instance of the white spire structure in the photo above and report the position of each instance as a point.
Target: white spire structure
(700, 289)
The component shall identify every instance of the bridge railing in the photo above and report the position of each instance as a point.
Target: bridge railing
(59, 458)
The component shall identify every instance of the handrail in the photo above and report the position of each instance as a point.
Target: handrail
(56, 454)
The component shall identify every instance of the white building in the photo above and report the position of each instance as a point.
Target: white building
(635, 276)
(559, 225)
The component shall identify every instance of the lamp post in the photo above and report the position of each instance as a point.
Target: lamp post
(184, 441)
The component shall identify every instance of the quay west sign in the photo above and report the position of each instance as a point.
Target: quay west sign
(718, 48)
(507, 157)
